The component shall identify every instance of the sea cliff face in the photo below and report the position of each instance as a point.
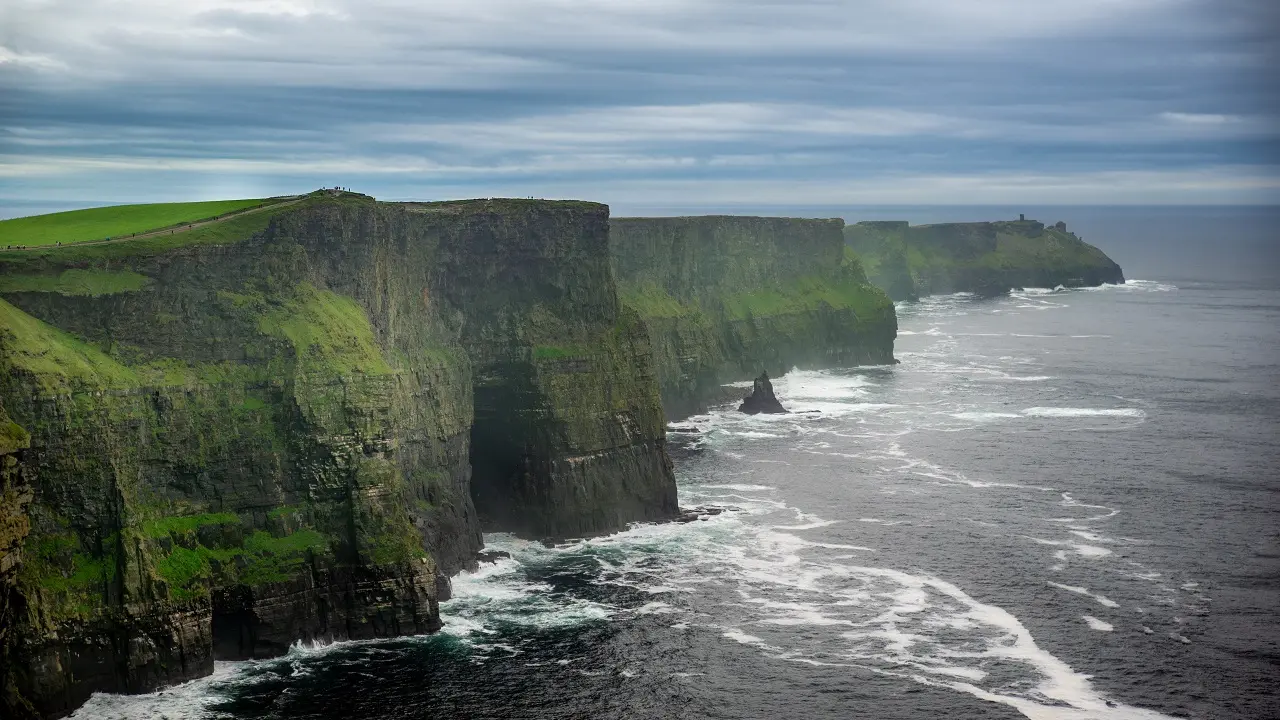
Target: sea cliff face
(568, 436)
(265, 431)
(15, 496)
(727, 297)
(986, 258)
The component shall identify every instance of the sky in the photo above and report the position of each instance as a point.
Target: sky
(642, 102)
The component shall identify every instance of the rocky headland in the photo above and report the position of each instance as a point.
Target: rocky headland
(295, 424)
(985, 258)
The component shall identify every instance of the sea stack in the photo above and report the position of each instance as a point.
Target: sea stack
(761, 399)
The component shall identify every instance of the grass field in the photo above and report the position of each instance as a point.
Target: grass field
(111, 222)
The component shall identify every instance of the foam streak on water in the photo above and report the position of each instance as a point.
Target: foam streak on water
(892, 621)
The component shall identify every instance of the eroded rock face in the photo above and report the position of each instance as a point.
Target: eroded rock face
(761, 399)
(569, 437)
(15, 496)
(268, 439)
(724, 297)
(241, 441)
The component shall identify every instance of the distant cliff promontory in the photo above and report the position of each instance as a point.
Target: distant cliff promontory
(986, 258)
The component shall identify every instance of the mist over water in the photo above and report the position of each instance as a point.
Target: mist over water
(1060, 505)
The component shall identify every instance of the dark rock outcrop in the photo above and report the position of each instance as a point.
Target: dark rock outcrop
(761, 399)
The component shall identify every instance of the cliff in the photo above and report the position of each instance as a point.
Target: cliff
(569, 436)
(15, 496)
(987, 258)
(727, 297)
(292, 425)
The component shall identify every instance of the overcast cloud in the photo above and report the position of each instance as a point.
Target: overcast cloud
(670, 102)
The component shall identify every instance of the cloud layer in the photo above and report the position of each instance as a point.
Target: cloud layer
(643, 101)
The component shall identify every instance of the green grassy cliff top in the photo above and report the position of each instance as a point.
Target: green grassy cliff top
(110, 222)
(744, 219)
(483, 205)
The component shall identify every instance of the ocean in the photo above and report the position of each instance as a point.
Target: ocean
(1059, 505)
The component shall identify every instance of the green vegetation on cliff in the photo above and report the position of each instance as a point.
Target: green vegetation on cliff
(12, 436)
(76, 282)
(225, 418)
(57, 361)
(986, 258)
(653, 301)
(261, 429)
(726, 297)
(329, 333)
(197, 560)
(806, 295)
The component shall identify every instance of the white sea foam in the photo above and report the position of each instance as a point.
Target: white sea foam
(1101, 599)
(1091, 536)
(890, 621)
(497, 594)
(1038, 291)
(738, 636)
(740, 487)
(1089, 551)
(1096, 624)
(1073, 412)
(1134, 286)
(751, 433)
(984, 416)
(188, 700)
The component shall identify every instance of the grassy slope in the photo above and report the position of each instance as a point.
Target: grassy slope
(57, 360)
(43, 260)
(105, 222)
(76, 282)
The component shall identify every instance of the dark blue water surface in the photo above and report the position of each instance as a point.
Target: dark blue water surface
(1060, 505)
